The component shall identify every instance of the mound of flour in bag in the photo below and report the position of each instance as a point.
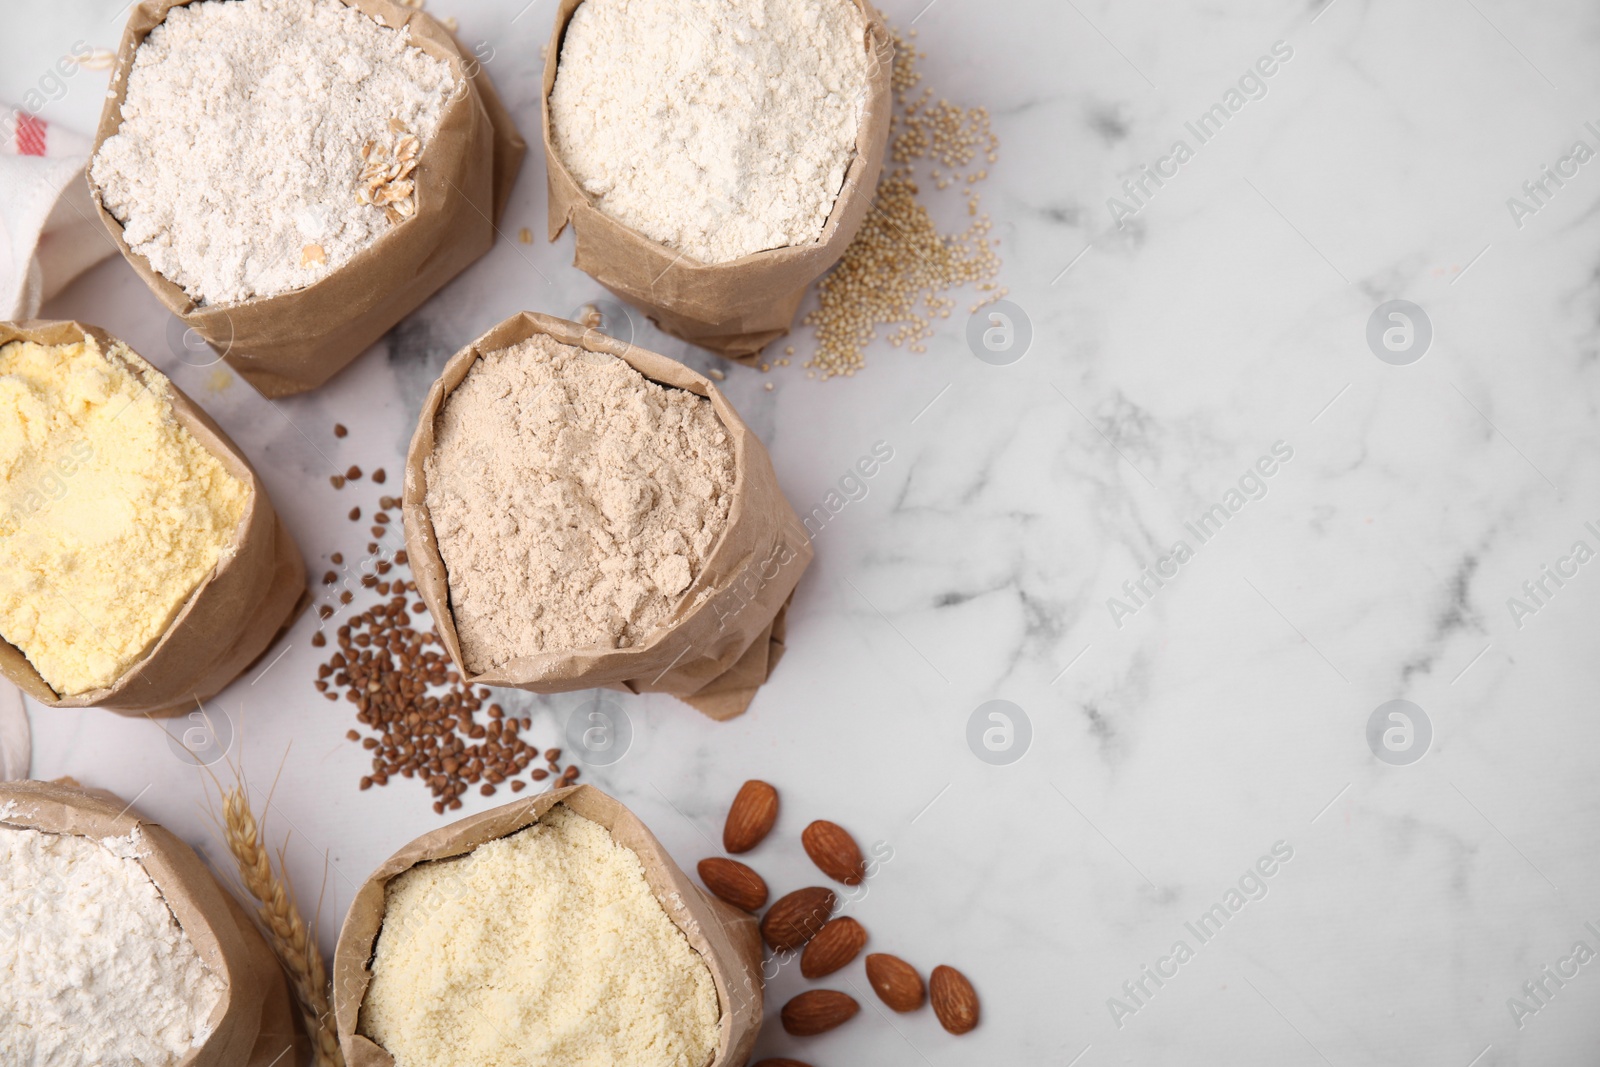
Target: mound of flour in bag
(94, 970)
(717, 129)
(575, 501)
(238, 170)
(547, 947)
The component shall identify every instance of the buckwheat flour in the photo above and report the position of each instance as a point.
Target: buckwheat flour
(111, 512)
(717, 129)
(94, 970)
(266, 142)
(574, 500)
(546, 947)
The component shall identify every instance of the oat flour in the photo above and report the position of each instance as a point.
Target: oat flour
(236, 169)
(717, 129)
(574, 500)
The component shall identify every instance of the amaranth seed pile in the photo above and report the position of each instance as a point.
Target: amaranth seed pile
(574, 500)
(716, 129)
(94, 970)
(264, 143)
(545, 947)
(897, 273)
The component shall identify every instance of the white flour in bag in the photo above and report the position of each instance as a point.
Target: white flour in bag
(94, 970)
(237, 168)
(715, 128)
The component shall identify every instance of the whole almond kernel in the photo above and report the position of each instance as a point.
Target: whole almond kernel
(834, 851)
(734, 882)
(795, 918)
(954, 1000)
(816, 1011)
(836, 944)
(896, 982)
(754, 811)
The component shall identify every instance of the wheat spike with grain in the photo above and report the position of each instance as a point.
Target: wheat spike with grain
(283, 924)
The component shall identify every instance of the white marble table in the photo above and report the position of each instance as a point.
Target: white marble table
(1224, 714)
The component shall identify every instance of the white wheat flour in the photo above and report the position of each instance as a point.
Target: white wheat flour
(236, 167)
(546, 947)
(715, 128)
(94, 970)
(574, 500)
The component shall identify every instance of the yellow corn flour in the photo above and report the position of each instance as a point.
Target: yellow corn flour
(111, 513)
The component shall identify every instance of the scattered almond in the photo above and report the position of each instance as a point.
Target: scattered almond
(796, 917)
(834, 851)
(817, 1010)
(836, 944)
(754, 811)
(734, 882)
(954, 1000)
(896, 982)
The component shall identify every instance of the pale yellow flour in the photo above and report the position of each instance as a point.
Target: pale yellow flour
(542, 949)
(111, 513)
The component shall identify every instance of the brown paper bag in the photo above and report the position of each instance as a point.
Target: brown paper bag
(294, 342)
(726, 938)
(256, 997)
(736, 308)
(727, 633)
(280, 1039)
(232, 617)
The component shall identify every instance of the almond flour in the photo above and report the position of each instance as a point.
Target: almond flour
(94, 970)
(717, 129)
(574, 501)
(264, 143)
(546, 947)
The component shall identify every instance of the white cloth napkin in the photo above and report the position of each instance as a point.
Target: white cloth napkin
(49, 233)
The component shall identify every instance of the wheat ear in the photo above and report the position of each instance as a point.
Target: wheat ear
(285, 927)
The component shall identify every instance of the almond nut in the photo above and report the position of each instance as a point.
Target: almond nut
(734, 882)
(896, 982)
(796, 917)
(832, 849)
(817, 1010)
(836, 944)
(750, 818)
(954, 1001)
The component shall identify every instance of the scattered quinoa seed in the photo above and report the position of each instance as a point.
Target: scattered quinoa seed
(897, 272)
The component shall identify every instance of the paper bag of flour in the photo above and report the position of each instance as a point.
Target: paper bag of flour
(726, 634)
(253, 1023)
(734, 308)
(295, 342)
(250, 598)
(726, 938)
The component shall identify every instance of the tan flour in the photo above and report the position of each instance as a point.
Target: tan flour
(546, 947)
(574, 500)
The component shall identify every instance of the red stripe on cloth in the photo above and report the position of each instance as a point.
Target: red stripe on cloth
(30, 136)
